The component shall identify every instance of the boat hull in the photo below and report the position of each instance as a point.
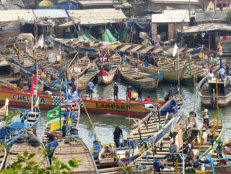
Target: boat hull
(188, 81)
(210, 101)
(83, 81)
(138, 79)
(106, 77)
(22, 98)
(172, 76)
(119, 107)
(153, 71)
(223, 101)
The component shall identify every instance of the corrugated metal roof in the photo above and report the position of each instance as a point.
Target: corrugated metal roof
(97, 16)
(91, 2)
(207, 27)
(14, 15)
(176, 1)
(50, 13)
(171, 16)
(210, 16)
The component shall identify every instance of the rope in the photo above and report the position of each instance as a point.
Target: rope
(195, 91)
(89, 117)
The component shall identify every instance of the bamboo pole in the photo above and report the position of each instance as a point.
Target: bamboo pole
(217, 102)
(214, 118)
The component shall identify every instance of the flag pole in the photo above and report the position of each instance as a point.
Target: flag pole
(77, 72)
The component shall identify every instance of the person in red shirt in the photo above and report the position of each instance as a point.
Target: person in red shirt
(148, 99)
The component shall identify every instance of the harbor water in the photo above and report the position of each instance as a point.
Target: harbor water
(105, 123)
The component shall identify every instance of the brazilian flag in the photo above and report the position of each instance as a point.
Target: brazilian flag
(54, 113)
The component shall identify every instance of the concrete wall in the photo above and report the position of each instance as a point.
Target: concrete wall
(172, 28)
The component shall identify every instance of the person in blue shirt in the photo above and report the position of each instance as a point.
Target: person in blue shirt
(222, 73)
(90, 89)
(51, 145)
(157, 166)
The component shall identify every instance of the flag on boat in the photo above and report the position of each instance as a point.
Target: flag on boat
(54, 113)
(56, 125)
(32, 86)
(174, 50)
(220, 47)
(75, 97)
(179, 139)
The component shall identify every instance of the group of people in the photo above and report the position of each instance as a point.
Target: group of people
(136, 96)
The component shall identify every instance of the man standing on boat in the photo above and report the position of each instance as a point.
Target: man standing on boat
(206, 118)
(116, 90)
(129, 93)
(90, 89)
(139, 91)
(117, 135)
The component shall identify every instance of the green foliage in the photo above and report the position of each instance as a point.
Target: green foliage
(27, 164)
(11, 114)
(228, 17)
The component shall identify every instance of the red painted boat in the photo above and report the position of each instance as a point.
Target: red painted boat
(18, 97)
(107, 73)
(119, 107)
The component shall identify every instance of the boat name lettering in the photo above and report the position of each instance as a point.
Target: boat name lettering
(26, 98)
(111, 106)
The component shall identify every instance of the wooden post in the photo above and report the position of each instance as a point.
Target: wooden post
(209, 41)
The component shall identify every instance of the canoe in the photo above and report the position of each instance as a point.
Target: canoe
(14, 131)
(157, 74)
(84, 79)
(19, 97)
(208, 97)
(31, 145)
(107, 73)
(148, 125)
(119, 107)
(160, 155)
(115, 59)
(71, 146)
(83, 64)
(138, 79)
(75, 148)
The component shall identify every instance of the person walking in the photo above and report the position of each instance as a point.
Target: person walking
(90, 89)
(116, 90)
(117, 135)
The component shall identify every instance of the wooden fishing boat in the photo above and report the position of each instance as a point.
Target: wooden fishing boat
(83, 64)
(155, 72)
(84, 79)
(14, 130)
(30, 143)
(207, 92)
(160, 152)
(138, 79)
(71, 146)
(152, 123)
(151, 70)
(19, 97)
(115, 59)
(119, 107)
(75, 148)
(203, 147)
(107, 72)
